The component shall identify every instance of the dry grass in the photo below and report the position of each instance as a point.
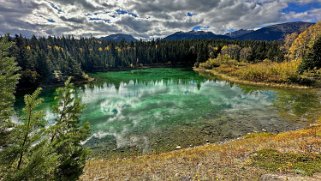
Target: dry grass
(226, 161)
(237, 80)
(267, 71)
(262, 72)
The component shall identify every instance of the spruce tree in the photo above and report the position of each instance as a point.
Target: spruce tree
(67, 134)
(29, 156)
(8, 81)
(313, 59)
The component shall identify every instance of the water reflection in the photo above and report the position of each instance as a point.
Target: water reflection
(157, 113)
(158, 109)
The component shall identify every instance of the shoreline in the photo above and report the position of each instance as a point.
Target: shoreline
(117, 69)
(247, 82)
(224, 160)
(91, 79)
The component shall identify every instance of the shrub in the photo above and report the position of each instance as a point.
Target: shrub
(268, 71)
(220, 60)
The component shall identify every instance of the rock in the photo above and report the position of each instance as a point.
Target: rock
(186, 178)
(270, 177)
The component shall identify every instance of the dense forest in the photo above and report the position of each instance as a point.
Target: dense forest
(300, 64)
(53, 59)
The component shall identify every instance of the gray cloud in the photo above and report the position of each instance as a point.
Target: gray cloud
(142, 18)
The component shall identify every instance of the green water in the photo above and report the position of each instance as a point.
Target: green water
(155, 110)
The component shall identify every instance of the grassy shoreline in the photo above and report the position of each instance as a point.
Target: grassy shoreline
(238, 159)
(247, 82)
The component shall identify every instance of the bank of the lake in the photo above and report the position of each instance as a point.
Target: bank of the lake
(293, 155)
(237, 80)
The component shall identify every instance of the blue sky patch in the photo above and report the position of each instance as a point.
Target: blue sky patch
(122, 12)
(190, 14)
(300, 7)
(200, 28)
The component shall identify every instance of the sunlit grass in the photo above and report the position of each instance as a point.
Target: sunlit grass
(284, 72)
(299, 163)
(266, 71)
(232, 160)
(277, 74)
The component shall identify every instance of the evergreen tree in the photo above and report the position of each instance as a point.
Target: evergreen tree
(313, 59)
(8, 81)
(67, 134)
(29, 156)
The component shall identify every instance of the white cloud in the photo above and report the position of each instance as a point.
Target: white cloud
(142, 18)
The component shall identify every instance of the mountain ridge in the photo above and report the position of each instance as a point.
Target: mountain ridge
(276, 32)
(269, 33)
(191, 35)
(119, 37)
(239, 33)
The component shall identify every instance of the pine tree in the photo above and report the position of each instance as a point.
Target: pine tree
(8, 81)
(313, 59)
(29, 156)
(67, 134)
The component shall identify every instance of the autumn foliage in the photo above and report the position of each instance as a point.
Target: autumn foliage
(304, 42)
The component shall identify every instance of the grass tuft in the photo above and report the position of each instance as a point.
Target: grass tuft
(299, 163)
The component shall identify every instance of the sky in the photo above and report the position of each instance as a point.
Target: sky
(146, 19)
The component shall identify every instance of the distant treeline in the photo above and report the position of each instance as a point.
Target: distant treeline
(51, 60)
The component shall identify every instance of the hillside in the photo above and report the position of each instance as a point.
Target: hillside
(270, 33)
(119, 38)
(275, 32)
(195, 35)
(239, 33)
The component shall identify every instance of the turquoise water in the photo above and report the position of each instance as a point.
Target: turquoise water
(155, 110)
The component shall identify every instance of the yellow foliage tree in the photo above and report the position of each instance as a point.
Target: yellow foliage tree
(302, 45)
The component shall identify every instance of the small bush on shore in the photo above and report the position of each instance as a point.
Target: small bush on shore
(220, 60)
(267, 71)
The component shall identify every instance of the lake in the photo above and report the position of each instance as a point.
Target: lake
(162, 109)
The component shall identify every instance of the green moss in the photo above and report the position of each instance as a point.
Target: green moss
(272, 160)
(256, 135)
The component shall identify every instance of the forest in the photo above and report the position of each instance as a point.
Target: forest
(299, 65)
(51, 60)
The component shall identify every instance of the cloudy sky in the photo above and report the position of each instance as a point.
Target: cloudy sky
(148, 18)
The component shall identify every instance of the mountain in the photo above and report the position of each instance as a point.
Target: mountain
(275, 32)
(238, 33)
(195, 35)
(119, 38)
